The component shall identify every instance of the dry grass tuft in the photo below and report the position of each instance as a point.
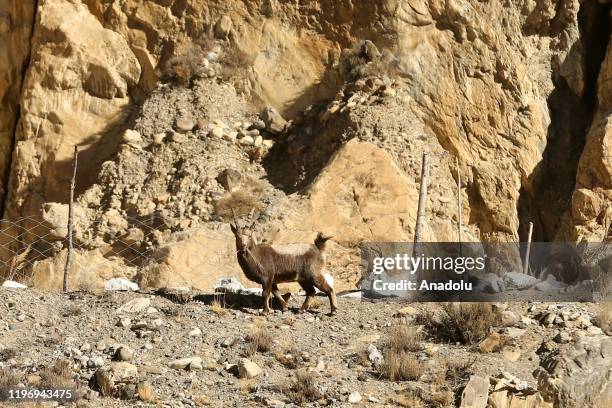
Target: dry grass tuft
(304, 388)
(58, 376)
(259, 339)
(217, 307)
(145, 392)
(8, 378)
(71, 311)
(398, 363)
(409, 400)
(404, 338)
(467, 323)
(241, 202)
(186, 65)
(8, 353)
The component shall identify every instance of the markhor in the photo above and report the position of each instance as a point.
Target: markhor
(450, 285)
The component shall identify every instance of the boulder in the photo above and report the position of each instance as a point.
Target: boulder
(192, 363)
(228, 285)
(223, 27)
(9, 284)
(579, 374)
(120, 284)
(517, 280)
(248, 369)
(475, 393)
(273, 120)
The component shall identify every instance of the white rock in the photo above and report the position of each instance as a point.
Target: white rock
(120, 284)
(123, 370)
(247, 140)
(517, 280)
(9, 284)
(258, 141)
(231, 285)
(135, 306)
(354, 397)
(195, 332)
(183, 363)
(132, 138)
(248, 369)
(374, 355)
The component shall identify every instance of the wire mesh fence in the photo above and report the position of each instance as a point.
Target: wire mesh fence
(31, 245)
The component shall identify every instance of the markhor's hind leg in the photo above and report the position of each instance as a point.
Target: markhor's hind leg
(310, 292)
(267, 289)
(278, 297)
(323, 286)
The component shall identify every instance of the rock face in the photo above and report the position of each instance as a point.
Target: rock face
(579, 374)
(506, 89)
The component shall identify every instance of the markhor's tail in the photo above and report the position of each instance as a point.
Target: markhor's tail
(320, 240)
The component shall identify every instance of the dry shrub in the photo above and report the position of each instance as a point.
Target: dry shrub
(185, 65)
(409, 399)
(217, 307)
(234, 63)
(604, 318)
(58, 376)
(400, 365)
(71, 311)
(466, 323)
(404, 338)
(246, 386)
(441, 398)
(289, 357)
(8, 353)
(304, 388)
(8, 378)
(145, 392)
(242, 202)
(452, 373)
(259, 339)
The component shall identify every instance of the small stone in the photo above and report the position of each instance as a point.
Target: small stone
(247, 141)
(95, 362)
(125, 322)
(123, 370)
(562, 337)
(223, 27)
(258, 141)
(120, 284)
(158, 138)
(508, 318)
(248, 369)
(132, 138)
(195, 332)
(178, 137)
(9, 284)
(124, 353)
(594, 330)
(185, 123)
(183, 363)
(374, 355)
(216, 132)
(511, 353)
(135, 306)
(354, 397)
(273, 120)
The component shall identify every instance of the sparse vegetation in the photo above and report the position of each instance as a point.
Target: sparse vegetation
(409, 399)
(186, 64)
(242, 202)
(8, 378)
(398, 363)
(303, 388)
(289, 357)
(259, 339)
(58, 376)
(217, 307)
(145, 392)
(466, 323)
(7, 353)
(72, 311)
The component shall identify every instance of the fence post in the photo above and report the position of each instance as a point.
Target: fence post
(418, 229)
(70, 215)
(526, 261)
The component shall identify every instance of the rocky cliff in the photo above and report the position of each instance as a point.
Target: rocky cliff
(517, 92)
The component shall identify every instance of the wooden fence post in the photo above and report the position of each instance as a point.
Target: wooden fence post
(70, 216)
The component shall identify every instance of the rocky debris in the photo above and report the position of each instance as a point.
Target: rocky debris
(476, 392)
(248, 369)
(184, 123)
(132, 138)
(120, 284)
(137, 305)
(578, 374)
(124, 353)
(230, 179)
(550, 284)
(274, 122)
(374, 355)
(223, 27)
(191, 363)
(123, 371)
(490, 283)
(354, 397)
(9, 284)
(517, 280)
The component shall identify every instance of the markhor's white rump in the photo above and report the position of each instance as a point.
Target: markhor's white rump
(446, 286)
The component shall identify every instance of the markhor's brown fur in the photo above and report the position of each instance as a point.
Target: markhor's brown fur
(269, 265)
